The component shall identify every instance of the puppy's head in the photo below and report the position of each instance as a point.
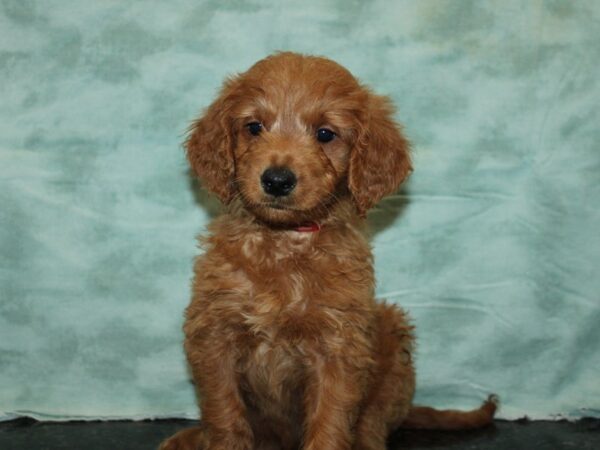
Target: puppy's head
(295, 134)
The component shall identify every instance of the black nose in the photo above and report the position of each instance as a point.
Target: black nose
(278, 181)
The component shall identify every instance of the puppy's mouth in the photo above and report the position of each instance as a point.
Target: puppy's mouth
(286, 210)
(279, 206)
(278, 211)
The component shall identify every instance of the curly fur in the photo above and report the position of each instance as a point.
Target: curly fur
(286, 343)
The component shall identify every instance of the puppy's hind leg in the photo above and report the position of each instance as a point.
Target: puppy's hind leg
(393, 382)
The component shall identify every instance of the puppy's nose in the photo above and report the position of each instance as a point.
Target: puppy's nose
(278, 181)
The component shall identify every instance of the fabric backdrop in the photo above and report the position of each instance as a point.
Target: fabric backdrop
(493, 245)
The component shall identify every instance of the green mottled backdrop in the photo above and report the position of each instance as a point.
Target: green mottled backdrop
(493, 245)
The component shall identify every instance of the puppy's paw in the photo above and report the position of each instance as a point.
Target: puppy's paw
(188, 439)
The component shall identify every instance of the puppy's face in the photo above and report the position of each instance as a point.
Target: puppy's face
(293, 135)
(295, 126)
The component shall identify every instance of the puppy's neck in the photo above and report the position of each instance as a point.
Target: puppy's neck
(240, 234)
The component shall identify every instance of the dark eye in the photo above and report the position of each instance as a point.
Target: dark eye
(255, 128)
(325, 135)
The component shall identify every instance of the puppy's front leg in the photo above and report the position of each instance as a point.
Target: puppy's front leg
(332, 398)
(223, 410)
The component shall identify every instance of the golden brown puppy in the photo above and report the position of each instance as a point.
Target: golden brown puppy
(286, 343)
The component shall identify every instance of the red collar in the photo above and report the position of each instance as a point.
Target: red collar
(308, 227)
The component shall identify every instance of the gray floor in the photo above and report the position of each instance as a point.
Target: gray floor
(25, 434)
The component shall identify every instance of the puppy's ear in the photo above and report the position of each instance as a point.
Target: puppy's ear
(380, 159)
(210, 144)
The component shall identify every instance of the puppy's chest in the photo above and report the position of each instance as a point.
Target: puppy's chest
(307, 294)
(303, 303)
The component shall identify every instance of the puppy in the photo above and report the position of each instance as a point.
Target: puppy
(286, 343)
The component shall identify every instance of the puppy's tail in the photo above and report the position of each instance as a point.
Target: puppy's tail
(424, 417)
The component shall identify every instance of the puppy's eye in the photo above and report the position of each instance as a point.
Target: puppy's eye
(254, 128)
(325, 135)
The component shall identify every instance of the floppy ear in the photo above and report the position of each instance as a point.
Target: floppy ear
(380, 159)
(210, 145)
